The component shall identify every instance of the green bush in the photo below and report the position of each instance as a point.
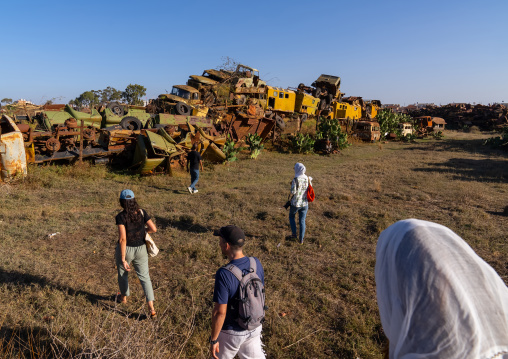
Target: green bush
(254, 142)
(230, 151)
(438, 135)
(301, 143)
(331, 130)
(406, 138)
(498, 141)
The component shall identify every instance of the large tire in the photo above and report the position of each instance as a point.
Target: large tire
(280, 122)
(317, 92)
(116, 108)
(304, 117)
(131, 123)
(181, 108)
(323, 105)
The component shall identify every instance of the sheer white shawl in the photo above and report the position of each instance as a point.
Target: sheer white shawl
(437, 298)
(299, 170)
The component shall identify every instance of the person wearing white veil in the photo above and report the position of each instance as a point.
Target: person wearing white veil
(437, 298)
(299, 203)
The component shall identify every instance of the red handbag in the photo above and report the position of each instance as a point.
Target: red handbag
(311, 196)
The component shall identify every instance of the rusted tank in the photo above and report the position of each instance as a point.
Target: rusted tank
(12, 150)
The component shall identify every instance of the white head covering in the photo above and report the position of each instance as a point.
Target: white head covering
(437, 298)
(299, 170)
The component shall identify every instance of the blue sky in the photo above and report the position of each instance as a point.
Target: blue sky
(396, 51)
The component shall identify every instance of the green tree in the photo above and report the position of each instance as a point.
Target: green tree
(110, 94)
(86, 99)
(133, 94)
(6, 100)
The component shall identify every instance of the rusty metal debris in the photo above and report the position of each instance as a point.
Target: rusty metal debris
(460, 115)
(425, 125)
(12, 151)
(206, 110)
(334, 105)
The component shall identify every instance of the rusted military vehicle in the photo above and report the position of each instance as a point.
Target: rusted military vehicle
(183, 100)
(423, 125)
(367, 131)
(12, 150)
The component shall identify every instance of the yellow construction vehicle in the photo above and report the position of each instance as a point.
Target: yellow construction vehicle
(306, 105)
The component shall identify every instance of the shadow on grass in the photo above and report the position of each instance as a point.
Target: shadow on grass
(484, 170)
(184, 223)
(24, 279)
(450, 145)
(500, 213)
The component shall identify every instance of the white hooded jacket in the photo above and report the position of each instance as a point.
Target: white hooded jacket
(437, 298)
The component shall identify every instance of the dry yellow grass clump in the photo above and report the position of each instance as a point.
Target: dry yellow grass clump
(56, 293)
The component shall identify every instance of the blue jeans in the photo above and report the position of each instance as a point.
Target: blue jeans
(194, 177)
(302, 214)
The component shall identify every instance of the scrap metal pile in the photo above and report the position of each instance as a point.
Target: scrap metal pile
(208, 109)
(463, 114)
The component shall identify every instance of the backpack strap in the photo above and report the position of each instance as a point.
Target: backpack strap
(235, 271)
(253, 265)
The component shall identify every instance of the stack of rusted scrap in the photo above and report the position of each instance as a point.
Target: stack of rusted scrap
(459, 115)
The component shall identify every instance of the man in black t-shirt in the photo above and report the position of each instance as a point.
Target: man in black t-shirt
(194, 161)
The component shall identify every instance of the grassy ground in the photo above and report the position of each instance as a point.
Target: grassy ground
(55, 293)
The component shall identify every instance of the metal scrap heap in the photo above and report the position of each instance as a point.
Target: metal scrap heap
(459, 115)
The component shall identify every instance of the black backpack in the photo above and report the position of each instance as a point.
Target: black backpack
(251, 300)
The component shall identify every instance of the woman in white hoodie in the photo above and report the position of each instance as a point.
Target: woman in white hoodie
(437, 298)
(299, 203)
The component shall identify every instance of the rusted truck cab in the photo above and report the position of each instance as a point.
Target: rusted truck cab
(367, 131)
(183, 100)
(246, 77)
(12, 150)
(406, 128)
(424, 124)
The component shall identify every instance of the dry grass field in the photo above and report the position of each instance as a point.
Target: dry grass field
(56, 293)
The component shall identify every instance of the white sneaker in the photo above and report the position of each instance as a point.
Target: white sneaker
(195, 191)
(190, 189)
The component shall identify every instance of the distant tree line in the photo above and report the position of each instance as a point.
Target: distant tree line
(132, 95)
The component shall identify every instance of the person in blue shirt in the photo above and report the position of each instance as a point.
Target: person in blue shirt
(228, 338)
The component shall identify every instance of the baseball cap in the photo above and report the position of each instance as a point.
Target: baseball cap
(126, 194)
(231, 234)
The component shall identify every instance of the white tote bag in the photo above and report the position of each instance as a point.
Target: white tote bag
(151, 248)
